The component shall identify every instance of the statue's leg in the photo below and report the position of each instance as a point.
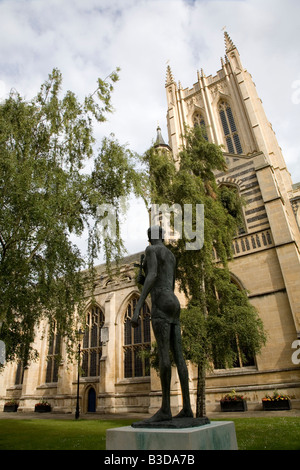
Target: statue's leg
(161, 330)
(176, 346)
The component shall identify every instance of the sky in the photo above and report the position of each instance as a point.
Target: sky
(87, 39)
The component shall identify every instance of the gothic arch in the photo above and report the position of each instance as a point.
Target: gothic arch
(90, 399)
(235, 184)
(228, 125)
(244, 357)
(237, 281)
(219, 91)
(230, 181)
(122, 308)
(91, 344)
(91, 304)
(135, 340)
(199, 118)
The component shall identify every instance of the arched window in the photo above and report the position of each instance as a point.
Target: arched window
(198, 120)
(136, 340)
(243, 357)
(232, 202)
(229, 128)
(92, 398)
(19, 374)
(53, 357)
(92, 346)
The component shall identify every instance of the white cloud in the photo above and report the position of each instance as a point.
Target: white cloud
(89, 39)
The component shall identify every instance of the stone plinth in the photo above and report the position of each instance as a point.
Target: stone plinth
(218, 435)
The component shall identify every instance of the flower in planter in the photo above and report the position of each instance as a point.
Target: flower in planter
(233, 396)
(275, 397)
(233, 402)
(11, 403)
(276, 402)
(43, 404)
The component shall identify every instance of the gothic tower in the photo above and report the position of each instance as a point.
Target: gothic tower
(266, 256)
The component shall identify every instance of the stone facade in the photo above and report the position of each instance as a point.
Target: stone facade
(266, 255)
(266, 263)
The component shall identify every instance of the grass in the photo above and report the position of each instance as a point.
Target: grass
(52, 434)
(282, 433)
(268, 433)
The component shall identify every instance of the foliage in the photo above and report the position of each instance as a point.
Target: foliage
(151, 356)
(11, 403)
(49, 194)
(232, 396)
(218, 313)
(43, 404)
(276, 397)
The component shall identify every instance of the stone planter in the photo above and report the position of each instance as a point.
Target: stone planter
(10, 408)
(276, 405)
(42, 408)
(233, 405)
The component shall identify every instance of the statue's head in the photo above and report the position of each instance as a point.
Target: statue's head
(155, 233)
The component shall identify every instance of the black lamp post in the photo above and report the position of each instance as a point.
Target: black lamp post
(80, 337)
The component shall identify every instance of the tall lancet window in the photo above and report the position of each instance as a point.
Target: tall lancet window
(92, 346)
(198, 120)
(53, 356)
(136, 340)
(229, 128)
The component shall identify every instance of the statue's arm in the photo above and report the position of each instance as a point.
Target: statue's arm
(150, 278)
(141, 266)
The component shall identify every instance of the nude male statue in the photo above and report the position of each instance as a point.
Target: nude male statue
(159, 268)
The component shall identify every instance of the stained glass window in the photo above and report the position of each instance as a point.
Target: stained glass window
(243, 356)
(229, 128)
(199, 120)
(53, 357)
(19, 374)
(92, 346)
(136, 341)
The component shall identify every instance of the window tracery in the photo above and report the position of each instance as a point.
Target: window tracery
(198, 120)
(136, 340)
(53, 356)
(229, 128)
(92, 345)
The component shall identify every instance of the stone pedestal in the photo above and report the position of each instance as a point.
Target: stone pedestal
(218, 435)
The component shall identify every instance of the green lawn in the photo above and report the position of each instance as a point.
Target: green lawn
(268, 433)
(52, 434)
(273, 433)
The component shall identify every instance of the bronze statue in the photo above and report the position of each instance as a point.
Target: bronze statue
(159, 267)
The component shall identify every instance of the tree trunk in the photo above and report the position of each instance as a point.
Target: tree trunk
(201, 406)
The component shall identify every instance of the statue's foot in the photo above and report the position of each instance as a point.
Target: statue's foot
(160, 415)
(185, 414)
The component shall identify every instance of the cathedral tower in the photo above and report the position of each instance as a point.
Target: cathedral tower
(266, 255)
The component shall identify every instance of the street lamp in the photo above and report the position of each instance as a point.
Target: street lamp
(80, 335)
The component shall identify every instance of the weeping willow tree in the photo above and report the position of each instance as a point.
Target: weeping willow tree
(48, 196)
(218, 313)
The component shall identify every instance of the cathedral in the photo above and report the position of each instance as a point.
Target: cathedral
(114, 376)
